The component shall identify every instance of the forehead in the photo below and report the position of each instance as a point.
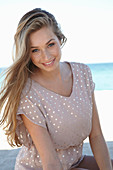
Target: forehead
(42, 36)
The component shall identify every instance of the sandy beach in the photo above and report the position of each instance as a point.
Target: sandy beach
(104, 100)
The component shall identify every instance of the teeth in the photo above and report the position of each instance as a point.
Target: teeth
(49, 63)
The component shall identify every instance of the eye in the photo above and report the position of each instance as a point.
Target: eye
(51, 44)
(35, 50)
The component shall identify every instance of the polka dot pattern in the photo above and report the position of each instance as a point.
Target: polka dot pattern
(68, 119)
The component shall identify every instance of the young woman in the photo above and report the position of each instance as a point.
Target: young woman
(49, 105)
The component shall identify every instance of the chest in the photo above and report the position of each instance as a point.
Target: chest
(61, 84)
(68, 121)
(63, 87)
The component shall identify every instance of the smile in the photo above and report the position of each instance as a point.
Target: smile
(49, 63)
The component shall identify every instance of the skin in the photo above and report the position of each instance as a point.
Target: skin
(44, 48)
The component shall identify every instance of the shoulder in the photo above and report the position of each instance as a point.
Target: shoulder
(80, 66)
(27, 87)
(82, 70)
(29, 91)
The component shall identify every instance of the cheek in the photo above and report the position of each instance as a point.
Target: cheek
(35, 59)
(57, 51)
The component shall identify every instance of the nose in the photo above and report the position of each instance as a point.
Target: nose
(46, 55)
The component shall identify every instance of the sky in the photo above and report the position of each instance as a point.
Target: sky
(87, 24)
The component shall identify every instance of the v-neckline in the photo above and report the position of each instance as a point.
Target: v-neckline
(54, 93)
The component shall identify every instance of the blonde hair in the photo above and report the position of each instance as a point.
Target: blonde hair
(18, 73)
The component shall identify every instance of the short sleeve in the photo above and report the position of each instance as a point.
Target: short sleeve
(90, 79)
(34, 114)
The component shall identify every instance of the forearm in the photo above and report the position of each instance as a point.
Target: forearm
(101, 154)
(52, 166)
(52, 163)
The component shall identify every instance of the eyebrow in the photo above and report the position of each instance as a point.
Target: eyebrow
(46, 43)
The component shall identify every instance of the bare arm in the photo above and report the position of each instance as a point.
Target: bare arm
(98, 143)
(44, 145)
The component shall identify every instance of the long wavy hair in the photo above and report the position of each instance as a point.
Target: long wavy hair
(17, 74)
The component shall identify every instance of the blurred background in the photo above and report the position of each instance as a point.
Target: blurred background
(88, 26)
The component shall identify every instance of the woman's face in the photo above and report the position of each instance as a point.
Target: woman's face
(45, 49)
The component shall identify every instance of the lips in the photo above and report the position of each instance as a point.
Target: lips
(49, 63)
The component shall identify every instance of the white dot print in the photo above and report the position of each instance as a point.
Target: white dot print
(67, 119)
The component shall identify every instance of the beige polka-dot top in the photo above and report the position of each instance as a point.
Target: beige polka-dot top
(67, 119)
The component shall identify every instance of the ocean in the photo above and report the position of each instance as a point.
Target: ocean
(102, 74)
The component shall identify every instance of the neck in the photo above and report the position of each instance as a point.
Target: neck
(52, 75)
